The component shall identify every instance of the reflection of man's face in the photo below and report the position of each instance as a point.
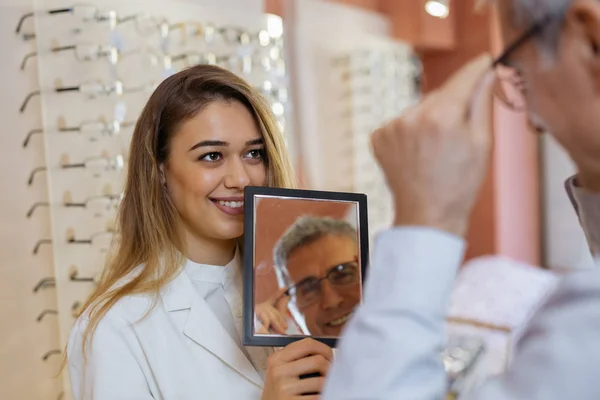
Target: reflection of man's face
(328, 312)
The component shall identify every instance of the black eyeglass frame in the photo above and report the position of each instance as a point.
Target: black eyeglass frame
(531, 32)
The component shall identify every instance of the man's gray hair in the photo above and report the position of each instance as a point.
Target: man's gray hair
(525, 13)
(303, 231)
(528, 12)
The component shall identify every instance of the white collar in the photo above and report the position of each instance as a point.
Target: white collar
(178, 294)
(213, 273)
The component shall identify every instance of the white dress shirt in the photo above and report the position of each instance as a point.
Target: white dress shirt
(213, 284)
(390, 349)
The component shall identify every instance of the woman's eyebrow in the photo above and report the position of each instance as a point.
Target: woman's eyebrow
(255, 141)
(208, 143)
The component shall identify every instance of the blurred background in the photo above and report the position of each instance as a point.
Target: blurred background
(74, 77)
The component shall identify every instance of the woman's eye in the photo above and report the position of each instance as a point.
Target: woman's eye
(211, 157)
(256, 154)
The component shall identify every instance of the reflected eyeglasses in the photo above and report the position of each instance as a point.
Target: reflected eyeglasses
(309, 290)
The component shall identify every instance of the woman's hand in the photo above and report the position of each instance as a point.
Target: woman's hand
(285, 366)
(272, 314)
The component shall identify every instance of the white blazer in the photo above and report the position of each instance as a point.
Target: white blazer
(179, 351)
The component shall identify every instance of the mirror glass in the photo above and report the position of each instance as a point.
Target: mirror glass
(307, 266)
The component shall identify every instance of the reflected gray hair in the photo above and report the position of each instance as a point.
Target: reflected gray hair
(303, 231)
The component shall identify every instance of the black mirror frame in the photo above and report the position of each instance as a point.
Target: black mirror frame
(250, 194)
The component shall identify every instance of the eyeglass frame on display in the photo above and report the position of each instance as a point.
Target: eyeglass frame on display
(107, 129)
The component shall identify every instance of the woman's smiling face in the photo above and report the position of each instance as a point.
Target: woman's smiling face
(212, 158)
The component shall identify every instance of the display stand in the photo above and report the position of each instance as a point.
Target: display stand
(98, 64)
(29, 322)
(340, 78)
(377, 86)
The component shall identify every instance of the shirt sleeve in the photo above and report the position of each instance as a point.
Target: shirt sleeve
(587, 206)
(391, 347)
(558, 356)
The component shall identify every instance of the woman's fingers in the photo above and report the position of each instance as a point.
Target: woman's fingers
(285, 367)
(307, 365)
(301, 349)
(304, 386)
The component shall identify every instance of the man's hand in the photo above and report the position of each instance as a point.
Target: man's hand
(272, 314)
(436, 155)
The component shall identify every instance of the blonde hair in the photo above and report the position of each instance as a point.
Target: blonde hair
(148, 223)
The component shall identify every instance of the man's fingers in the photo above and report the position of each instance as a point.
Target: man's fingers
(262, 330)
(481, 107)
(282, 303)
(378, 140)
(264, 318)
(278, 322)
(279, 294)
(271, 319)
(462, 84)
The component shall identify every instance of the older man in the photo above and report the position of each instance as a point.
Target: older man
(317, 264)
(434, 158)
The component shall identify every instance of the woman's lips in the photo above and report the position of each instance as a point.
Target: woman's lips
(230, 206)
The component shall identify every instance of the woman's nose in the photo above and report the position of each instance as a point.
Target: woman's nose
(237, 176)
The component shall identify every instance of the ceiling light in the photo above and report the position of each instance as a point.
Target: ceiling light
(437, 8)
(274, 26)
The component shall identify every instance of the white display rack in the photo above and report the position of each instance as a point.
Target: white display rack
(378, 85)
(98, 63)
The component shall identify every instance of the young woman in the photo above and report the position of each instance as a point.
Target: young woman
(165, 321)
